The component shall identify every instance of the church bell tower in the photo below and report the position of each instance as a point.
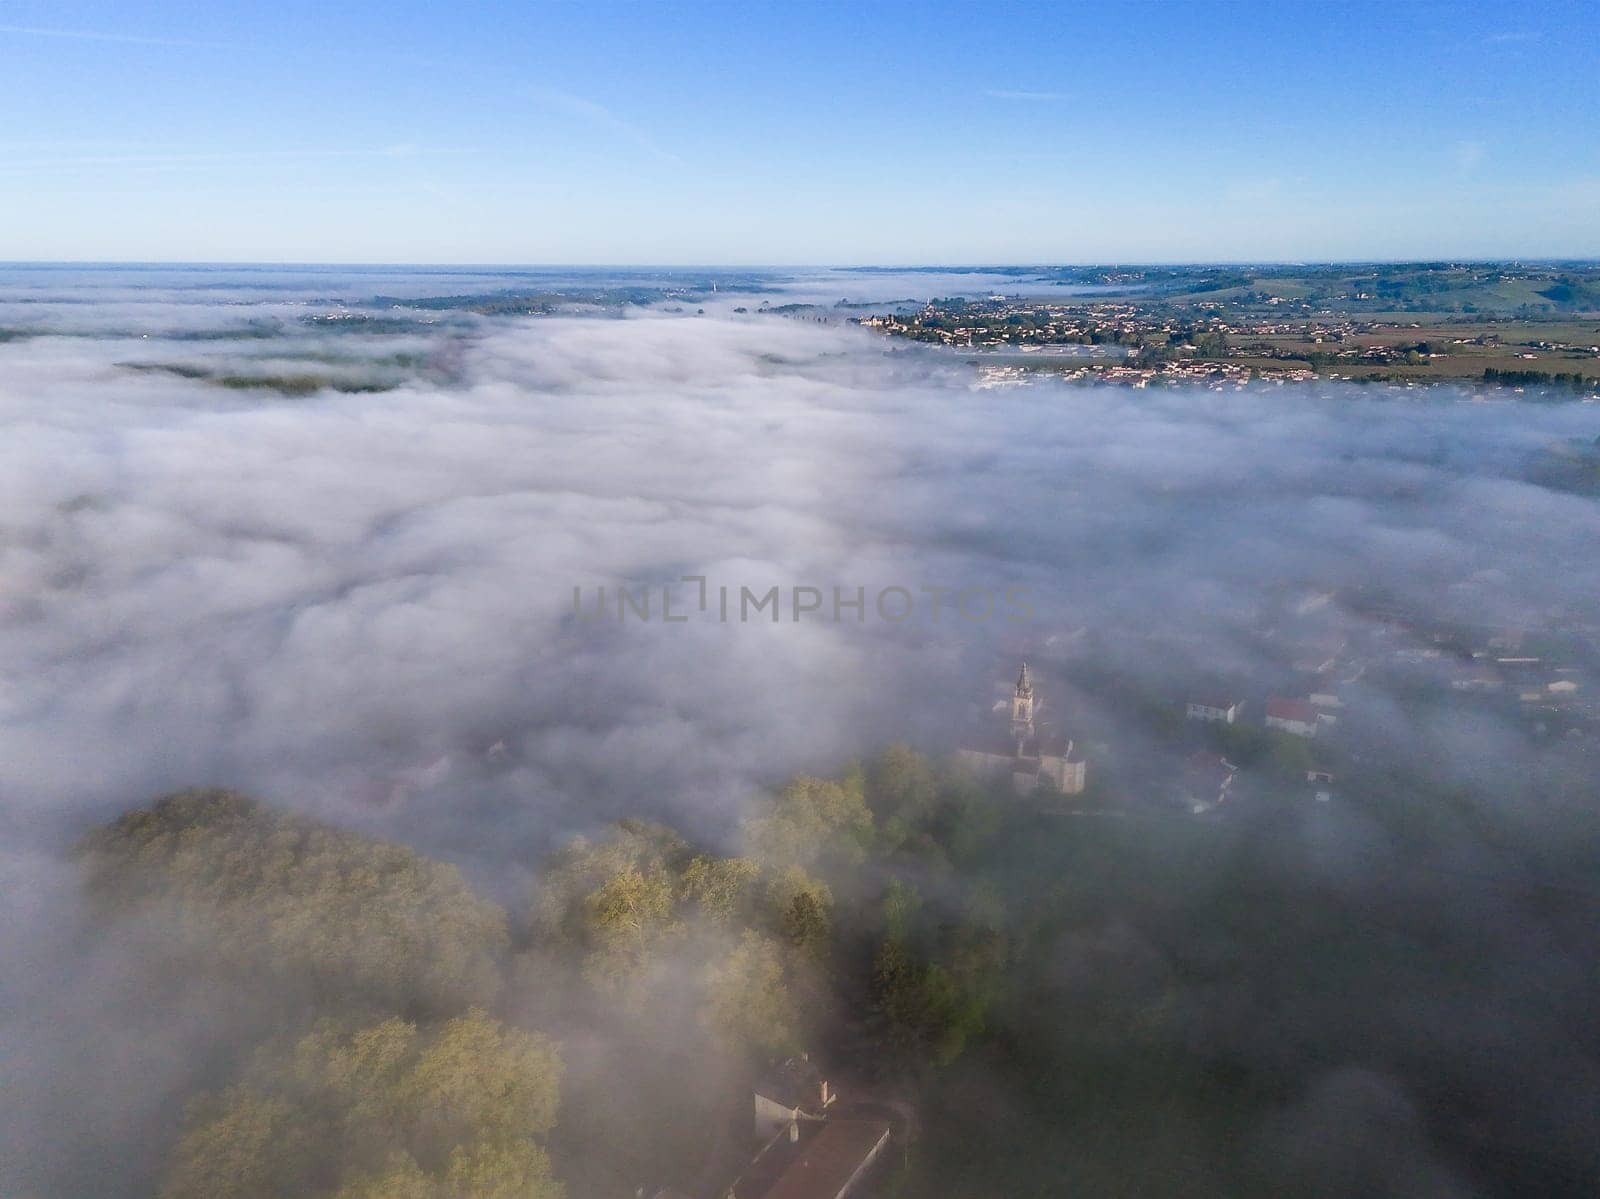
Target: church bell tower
(1022, 707)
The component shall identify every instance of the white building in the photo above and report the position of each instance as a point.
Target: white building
(795, 1090)
(1224, 711)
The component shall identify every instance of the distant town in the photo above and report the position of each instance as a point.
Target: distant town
(1527, 328)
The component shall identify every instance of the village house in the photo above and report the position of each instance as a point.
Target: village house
(814, 1160)
(810, 1148)
(1292, 716)
(1223, 711)
(795, 1090)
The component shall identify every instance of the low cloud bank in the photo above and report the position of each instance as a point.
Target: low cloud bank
(361, 605)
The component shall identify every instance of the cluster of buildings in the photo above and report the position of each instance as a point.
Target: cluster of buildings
(1333, 656)
(1211, 341)
(1207, 778)
(1031, 322)
(1038, 760)
(1329, 667)
(1547, 680)
(994, 322)
(1198, 372)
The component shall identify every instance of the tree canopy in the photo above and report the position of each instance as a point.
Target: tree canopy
(268, 893)
(382, 1109)
(814, 820)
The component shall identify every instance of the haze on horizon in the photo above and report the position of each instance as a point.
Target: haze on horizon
(714, 133)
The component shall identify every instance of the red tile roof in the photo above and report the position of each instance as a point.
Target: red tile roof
(1279, 708)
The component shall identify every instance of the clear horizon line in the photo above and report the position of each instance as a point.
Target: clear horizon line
(930, 265)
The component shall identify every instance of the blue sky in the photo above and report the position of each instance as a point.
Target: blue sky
(759, 133)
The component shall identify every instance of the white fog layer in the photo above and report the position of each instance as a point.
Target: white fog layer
(360, 604)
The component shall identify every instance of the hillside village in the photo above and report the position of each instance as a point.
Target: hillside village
(1496, 330)
(1320, 701)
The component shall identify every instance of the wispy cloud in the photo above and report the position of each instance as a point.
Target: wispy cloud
(178, 159)
(1025, 96)
(87, 35)
(599, 114)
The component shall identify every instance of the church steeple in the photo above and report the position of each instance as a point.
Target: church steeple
(1022, 708)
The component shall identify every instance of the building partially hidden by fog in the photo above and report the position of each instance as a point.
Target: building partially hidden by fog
(794, 1090)
(1031, 753)
(812, 1147)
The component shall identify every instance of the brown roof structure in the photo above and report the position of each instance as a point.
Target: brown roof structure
(1279, 708)
(829, 1162)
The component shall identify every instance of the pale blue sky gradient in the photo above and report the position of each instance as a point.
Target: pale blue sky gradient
(760, 134)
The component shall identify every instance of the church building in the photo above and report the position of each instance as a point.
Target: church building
(1030, 752)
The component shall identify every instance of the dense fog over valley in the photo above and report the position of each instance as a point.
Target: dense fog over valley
(312, 536)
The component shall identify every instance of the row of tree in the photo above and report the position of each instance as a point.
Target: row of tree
(386, 1040)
